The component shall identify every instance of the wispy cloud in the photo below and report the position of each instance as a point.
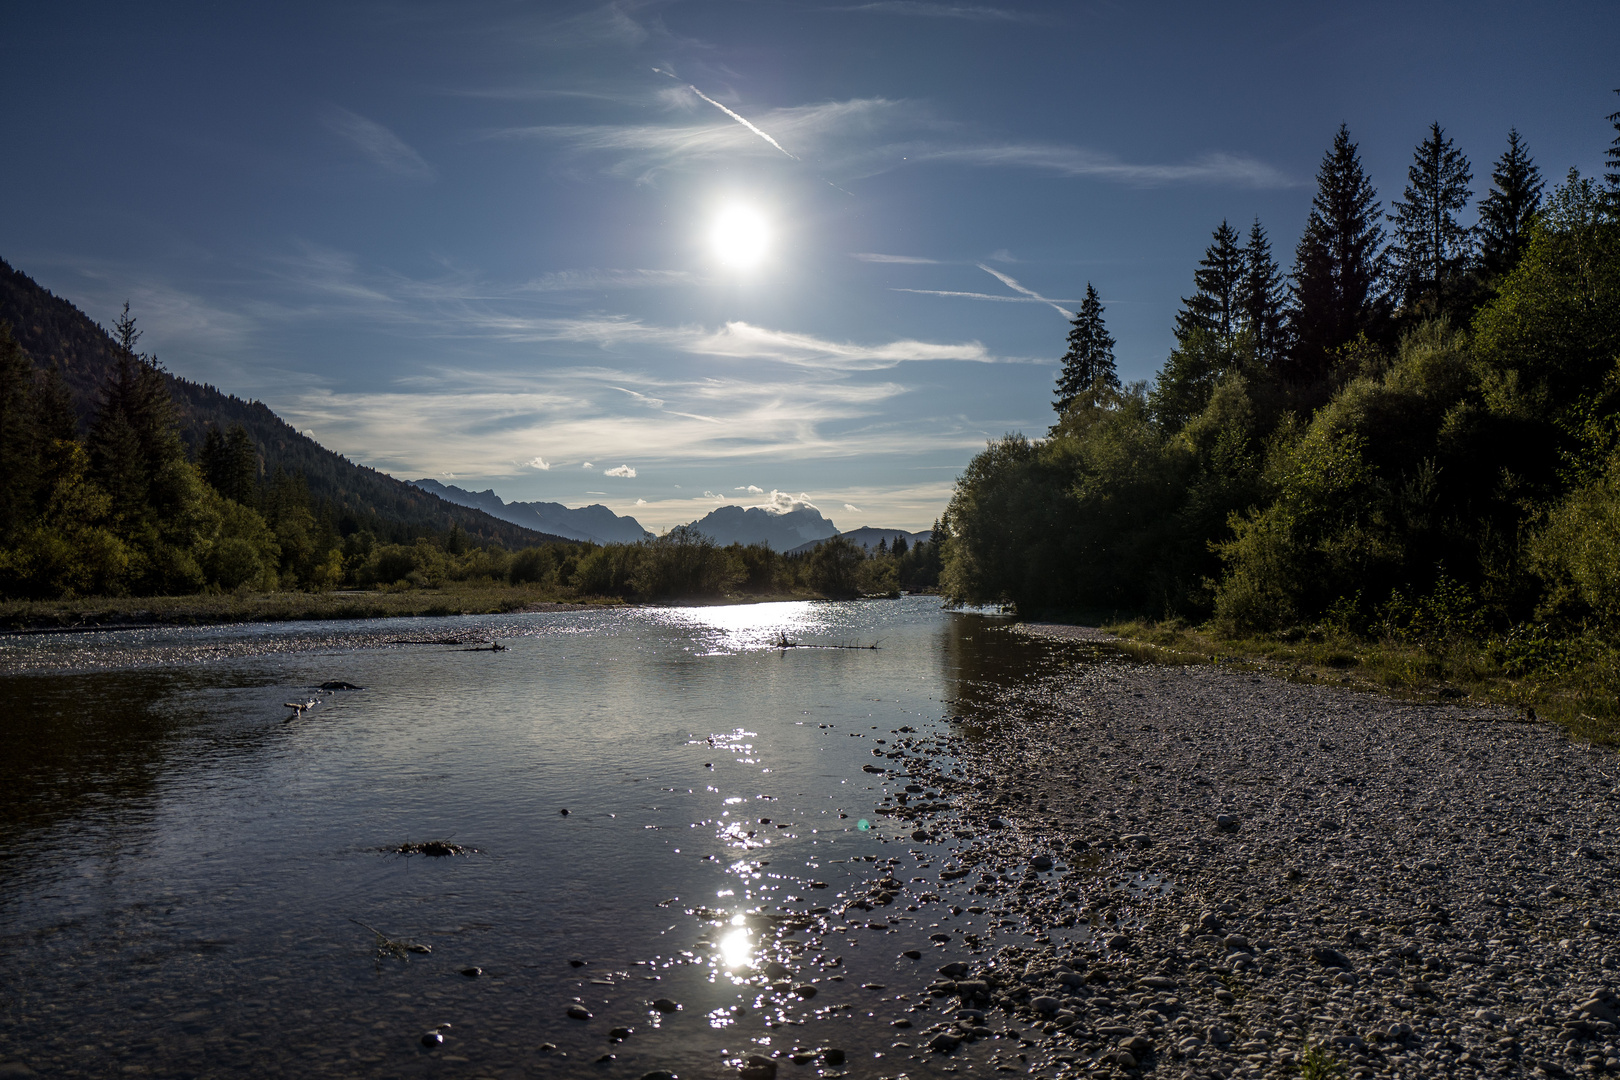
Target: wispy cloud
(870, 136)
(376, 142)
(970, 12)
(908, 260)
(1012, 283)
(1238, 170)
(581, 280)
(853, 508)
(980, 296)
(539, 463)
(624, 472)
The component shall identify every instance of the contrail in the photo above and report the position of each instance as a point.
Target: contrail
(740, 119)
(1031, 293)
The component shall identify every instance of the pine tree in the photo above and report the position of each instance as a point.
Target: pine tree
(1339, 265)
(1090, 359)
(230, 464)
(1261, 298)
(1611, 164)
(134, 441)
(1213, 307)
(1506, 213)
(19, 435)
(1432, 248)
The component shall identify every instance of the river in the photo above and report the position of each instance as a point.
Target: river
(657, 805)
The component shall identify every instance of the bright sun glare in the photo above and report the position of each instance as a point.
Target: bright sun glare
(740, 237)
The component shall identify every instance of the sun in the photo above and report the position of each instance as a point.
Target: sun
(740, 237)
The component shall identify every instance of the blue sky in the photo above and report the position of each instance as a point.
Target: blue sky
(474, 241)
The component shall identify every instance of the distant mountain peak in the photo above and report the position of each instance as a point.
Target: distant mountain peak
(594, 523)
(781, 529)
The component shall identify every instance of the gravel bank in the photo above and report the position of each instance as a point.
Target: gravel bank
(1200, 872)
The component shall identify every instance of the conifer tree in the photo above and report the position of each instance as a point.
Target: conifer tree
(1213, 307)
(1506, 213)
(1339, 265)
(1261, 298)
(1611, 164)
(1090, 359)
(1432, 248)
(19, 435)
(134, 442)
(230, 464)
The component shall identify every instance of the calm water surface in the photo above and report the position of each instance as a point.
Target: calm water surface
(183, 870)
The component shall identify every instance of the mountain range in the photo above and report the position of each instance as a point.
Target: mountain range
(783, 531)
(867, 537)
(55, 333)
(595, 523)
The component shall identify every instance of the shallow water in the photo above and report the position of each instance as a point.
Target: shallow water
(183, 870)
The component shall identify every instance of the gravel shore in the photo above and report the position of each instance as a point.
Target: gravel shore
(1197, 871)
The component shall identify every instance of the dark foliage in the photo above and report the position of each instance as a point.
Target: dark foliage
(1507, 211)
(1339, 267)
(1089, 361)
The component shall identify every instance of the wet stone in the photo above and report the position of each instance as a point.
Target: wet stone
(578, 1012)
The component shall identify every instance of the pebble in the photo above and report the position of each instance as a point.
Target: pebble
(666, 1005)
(1419, 889)
(578, 1012)
(757, 1067)
(472, 972)
(432, 1039)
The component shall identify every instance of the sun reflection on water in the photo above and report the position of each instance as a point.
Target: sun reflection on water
(737, 945)
(741, 627)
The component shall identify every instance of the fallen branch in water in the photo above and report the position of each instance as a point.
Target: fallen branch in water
(389, 947)
(782, 642)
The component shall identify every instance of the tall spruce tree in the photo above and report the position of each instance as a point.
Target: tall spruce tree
(1506, 213)
(1217, 282)
(1090, 360)
(1611, 165)
(19, 435)
(134, 440)
(1432, 249)
(1262, 295)
(230, 464)
(1339, 265)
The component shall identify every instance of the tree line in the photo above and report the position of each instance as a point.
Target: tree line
(125, 510)
(1415, 430)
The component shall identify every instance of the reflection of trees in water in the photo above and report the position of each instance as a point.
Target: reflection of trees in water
(986, 659)
(87, 750)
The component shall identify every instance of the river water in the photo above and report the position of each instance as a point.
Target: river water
(185, 869)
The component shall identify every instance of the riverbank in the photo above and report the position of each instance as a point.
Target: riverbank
(24, 616)
(1205, 871)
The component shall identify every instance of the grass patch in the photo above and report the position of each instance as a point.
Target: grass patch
(1570, 681)
(1318, 1064)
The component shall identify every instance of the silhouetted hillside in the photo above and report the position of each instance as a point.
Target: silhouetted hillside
(53, 331)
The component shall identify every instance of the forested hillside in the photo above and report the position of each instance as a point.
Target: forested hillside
(1413, 435)
(54, 333)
